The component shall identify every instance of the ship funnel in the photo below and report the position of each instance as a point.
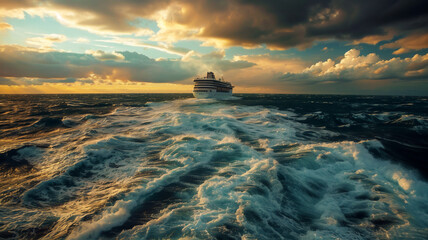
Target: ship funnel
(210, 75)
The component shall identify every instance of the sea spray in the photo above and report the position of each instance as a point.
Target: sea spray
(210, 169)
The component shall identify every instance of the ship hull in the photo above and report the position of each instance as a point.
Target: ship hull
(213, 94)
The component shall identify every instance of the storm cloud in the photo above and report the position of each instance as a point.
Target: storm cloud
(397, 27)
(285, 24)
(279, 24)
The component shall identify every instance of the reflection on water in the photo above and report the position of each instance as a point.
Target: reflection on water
(258, 167)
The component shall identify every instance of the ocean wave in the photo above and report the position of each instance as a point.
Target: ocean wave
(18, 160)
(210, 169)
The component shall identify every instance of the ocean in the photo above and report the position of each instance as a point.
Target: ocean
(258, 166)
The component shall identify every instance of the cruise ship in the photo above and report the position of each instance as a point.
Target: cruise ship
(210, 87)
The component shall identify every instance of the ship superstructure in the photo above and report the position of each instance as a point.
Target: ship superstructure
(210, 87)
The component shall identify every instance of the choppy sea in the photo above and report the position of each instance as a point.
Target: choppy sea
(168, 166)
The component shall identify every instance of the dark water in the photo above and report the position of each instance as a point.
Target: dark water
(167, 166)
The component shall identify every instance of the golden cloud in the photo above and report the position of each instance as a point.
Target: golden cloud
(223, 23)
(46, 41)
(409, 43)
(5, 26)
(103, 56)
(354, 67)
(33, 63)
(374, 39)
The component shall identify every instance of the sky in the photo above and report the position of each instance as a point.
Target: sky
(159, 46)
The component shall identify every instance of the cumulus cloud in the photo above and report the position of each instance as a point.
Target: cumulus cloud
(353, 67)
(279, 24)
(18, 62)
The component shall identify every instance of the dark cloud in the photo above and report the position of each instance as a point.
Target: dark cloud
(358, 19)
(5, 81)
(62, 67)
(277, 23)
(39, 81)
(50, 80)
(16, 62)
(284, 24)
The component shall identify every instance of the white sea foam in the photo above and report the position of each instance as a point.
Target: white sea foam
(206, 169)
